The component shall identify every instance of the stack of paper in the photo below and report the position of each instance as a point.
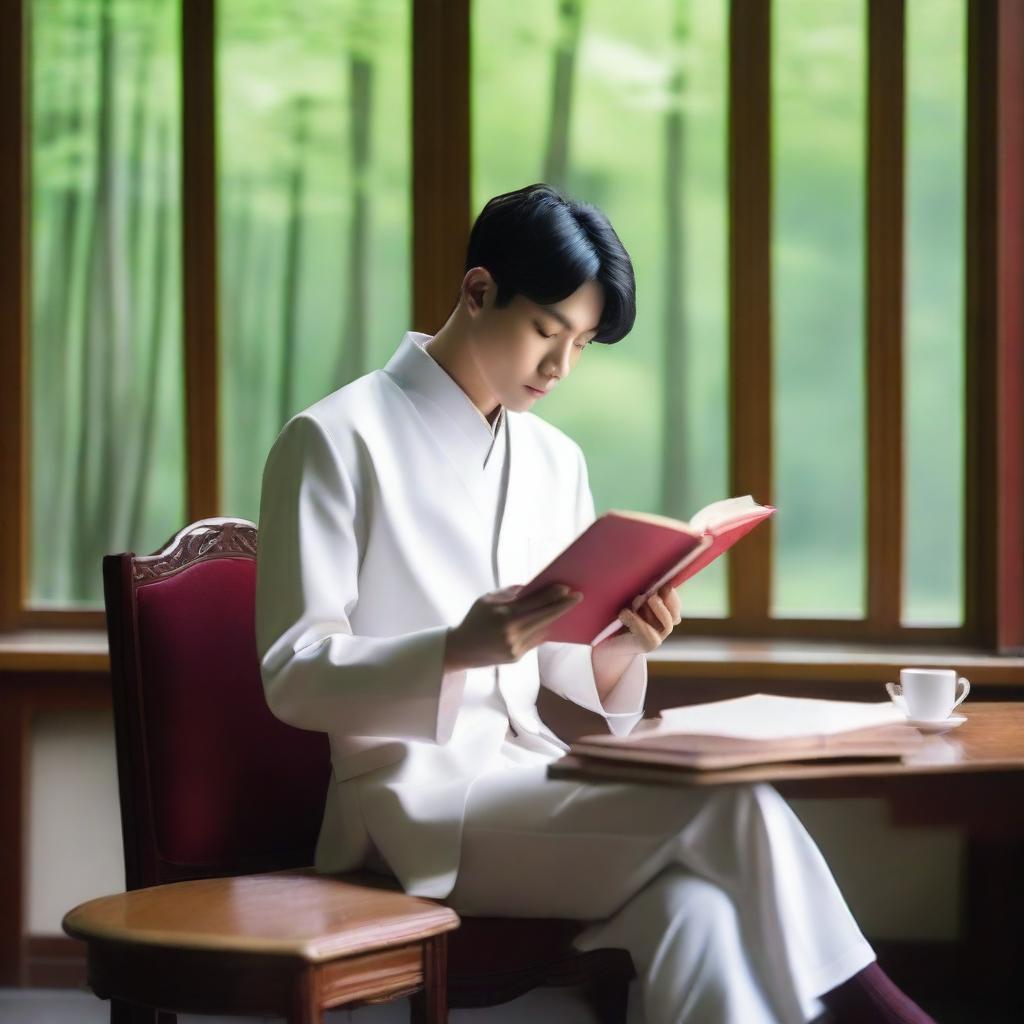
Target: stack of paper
(758, 729)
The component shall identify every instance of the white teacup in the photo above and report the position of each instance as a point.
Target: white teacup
(928, 694)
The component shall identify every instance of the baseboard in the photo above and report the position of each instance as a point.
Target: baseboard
(54, 961)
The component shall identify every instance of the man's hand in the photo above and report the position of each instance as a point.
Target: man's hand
(646, 628)
(500, 627)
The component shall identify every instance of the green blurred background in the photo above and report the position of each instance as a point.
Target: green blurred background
(623, 105)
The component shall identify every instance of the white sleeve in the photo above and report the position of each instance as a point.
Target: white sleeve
(316, 673)
(567, 669)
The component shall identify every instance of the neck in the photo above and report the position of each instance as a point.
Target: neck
(452, 349)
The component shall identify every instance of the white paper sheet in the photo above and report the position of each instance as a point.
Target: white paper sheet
(765, 717)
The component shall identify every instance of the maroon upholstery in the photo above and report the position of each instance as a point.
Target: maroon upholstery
(211, 782)
(227, 778)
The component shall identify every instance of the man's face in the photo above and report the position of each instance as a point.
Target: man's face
(525, 349)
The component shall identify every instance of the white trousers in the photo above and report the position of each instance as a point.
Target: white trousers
(723, 900)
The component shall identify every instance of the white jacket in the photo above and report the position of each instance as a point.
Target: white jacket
(372, 545)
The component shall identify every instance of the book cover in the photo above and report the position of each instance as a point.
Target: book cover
(623, 557)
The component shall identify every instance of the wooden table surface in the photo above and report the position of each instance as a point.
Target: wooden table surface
(990, 741)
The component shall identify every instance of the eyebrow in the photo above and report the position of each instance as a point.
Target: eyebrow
(564, 321)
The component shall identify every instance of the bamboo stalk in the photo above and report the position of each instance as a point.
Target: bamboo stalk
(352, 354)
(556, 154)
(676, 473)
(293, 258)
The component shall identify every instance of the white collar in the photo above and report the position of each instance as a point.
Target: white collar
(415, 370)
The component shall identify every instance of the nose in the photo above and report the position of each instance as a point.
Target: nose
(557, 363)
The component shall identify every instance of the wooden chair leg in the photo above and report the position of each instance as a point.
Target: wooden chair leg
(305, 998)
(431, 1005)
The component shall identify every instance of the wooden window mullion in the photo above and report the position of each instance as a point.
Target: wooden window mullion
(199, 256)
(979, 368)
(994, 471)
(441, 156)
(750, 300)
(1009, 386)
(14, 307)
(884, 320)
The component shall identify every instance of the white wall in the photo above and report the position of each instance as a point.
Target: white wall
(74, 834)
(900, 883)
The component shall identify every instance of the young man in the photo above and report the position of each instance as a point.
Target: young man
(399, 515)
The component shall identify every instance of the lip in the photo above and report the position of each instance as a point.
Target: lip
(536, 391)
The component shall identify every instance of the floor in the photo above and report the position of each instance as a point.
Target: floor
(42, 1006)
(62, 1006)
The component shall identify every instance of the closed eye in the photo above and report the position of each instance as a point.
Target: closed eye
(547, 336)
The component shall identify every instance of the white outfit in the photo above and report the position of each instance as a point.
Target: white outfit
(387, 509)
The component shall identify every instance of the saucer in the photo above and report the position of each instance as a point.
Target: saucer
(937, 724)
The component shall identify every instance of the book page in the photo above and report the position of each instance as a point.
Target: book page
(763, 716)
(723, 511)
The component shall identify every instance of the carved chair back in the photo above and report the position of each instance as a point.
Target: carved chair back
(211, 783)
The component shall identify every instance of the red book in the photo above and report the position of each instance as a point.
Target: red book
(624, 557)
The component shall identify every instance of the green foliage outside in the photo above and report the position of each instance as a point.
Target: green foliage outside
(621, 105)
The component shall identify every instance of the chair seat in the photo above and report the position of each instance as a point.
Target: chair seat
(295, 913)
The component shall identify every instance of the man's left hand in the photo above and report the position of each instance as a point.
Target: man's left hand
(647, 627)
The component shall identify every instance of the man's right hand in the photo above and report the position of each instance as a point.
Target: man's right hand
(500, 627)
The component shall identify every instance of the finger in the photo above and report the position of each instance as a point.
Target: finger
(664, 615)
(646, 612)
(638, 627)
(543, 616)
(536, 633)
(548, 597)
(674, 605)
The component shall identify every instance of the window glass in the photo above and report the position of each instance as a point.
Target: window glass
(818, 95)
(624, 106)
(314, 132)
(934, 375)
(107, 448)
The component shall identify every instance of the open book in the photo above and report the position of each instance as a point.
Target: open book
(624, 557)
(758, 729)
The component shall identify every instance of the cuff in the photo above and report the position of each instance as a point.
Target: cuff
(568, 670)
(623, 706)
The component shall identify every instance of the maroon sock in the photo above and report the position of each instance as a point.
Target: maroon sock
(870, 997)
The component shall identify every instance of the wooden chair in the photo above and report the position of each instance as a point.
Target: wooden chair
(212, 785)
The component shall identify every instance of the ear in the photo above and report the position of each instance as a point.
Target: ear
(475, 287)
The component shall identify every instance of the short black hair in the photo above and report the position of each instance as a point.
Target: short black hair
(537, 242)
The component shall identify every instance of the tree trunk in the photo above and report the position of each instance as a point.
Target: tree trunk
(676, 483)
(90, 496)
(352, 357)
(141, 471)
(556, 157)
(118, 374)
(138, 407)
(53, 343)
(293, 259)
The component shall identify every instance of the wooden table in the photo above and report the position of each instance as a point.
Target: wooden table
(971, 777)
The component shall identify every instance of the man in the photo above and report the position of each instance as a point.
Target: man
(399, 516)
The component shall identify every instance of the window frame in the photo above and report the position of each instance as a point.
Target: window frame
(441, 208)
